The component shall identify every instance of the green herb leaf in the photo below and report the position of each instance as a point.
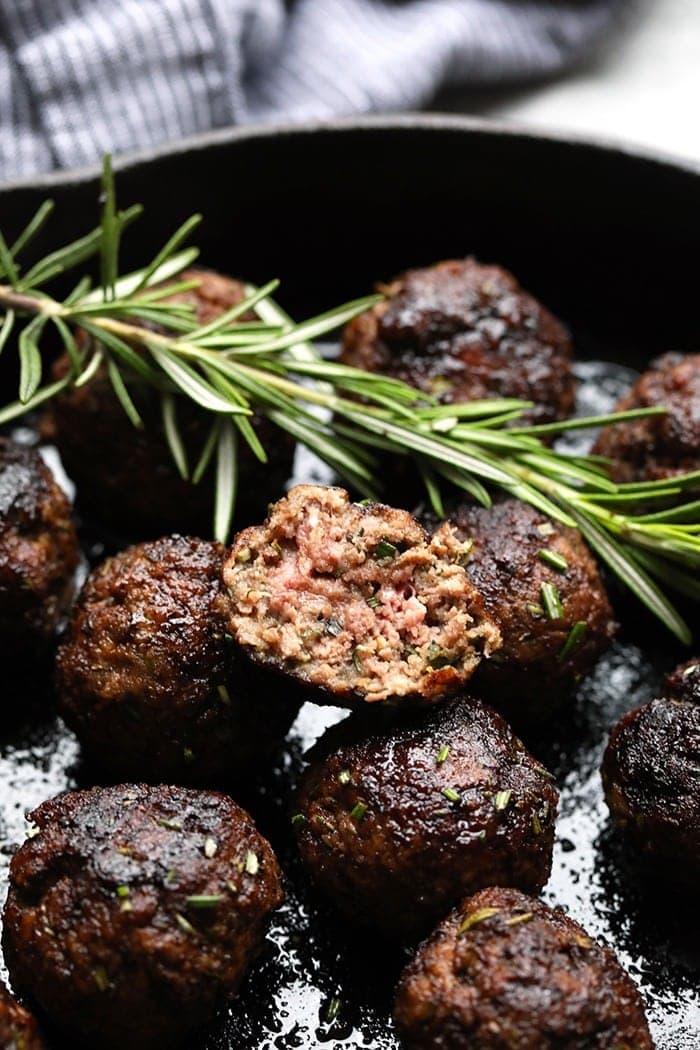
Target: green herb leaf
(555, 559)
(551, 601)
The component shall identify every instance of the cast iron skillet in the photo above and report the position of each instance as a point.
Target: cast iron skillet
(607, 239)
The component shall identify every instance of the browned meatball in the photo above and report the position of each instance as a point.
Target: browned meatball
(462, 331)
(520, 559)
(651, 775)
(18, 1029)
(505, 972)
(38, 556)
(659, 446)
(684, 682)
(146, 676)
(397, 823)
(134, 912)
(354, 603)
(126, 476)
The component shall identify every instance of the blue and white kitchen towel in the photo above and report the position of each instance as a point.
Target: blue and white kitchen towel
(78, 77)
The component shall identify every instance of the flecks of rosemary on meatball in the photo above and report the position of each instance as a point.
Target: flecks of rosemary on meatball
(506, 972)
(134, 912)
(541, 585)
(354, 603)
(146, 674)
(396, 822)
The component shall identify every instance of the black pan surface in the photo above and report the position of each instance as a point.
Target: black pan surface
(607, 239)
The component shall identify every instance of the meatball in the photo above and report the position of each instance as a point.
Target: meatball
(353, 602)
(38, 557)
(660, 446)
(134, 912)
(395, 824)
(506, 972)
(541, 585)
(18, 1029)
(146, 674)
(126, 477)
(651, 776)
(684, 682)
(463, 331)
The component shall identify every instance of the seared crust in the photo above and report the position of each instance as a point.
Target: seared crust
(462, 331)
(533, 669)
(683, 683)
(102, 929)
(651, 776)
(659, 446)
(448, 802)
(126, 476)
(18, 1029)
(146, 676)
(38, 556)
(506, 972)
(353, 603)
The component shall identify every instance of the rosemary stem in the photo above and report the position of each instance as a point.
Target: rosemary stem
(32, 305)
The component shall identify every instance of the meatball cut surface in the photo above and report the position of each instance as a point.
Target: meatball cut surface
(355, 602)
(462, 331)
(506, 972)
(38, 556)
(18, 1029)
(541, 585)
(684, 682)
(651, 776)
(396, 823)
(125, 476)
(146, 676)
(660, 446)
(134, 912)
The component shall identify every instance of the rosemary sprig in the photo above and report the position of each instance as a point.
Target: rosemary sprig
(231, 369)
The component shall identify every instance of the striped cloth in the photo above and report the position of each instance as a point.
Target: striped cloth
(78, 77)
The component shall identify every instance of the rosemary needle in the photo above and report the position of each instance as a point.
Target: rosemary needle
(269, 367)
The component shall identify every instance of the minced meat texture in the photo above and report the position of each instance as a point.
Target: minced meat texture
(462, 331)
(38, 556)
(354, 601)
(134, 912)
(543, 655)
(506, 972)
(660, 446)
(146, 675)
(651, 775)
(396, 822)
(125, 476)
(18, 1029)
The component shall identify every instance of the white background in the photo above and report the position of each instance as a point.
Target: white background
(642, 88)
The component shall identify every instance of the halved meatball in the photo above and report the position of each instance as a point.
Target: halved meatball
(541, 585)
(506, 972)
(353, 602)
(660, 446)
(146, 674)
(684, 682)
(134, 912)
(651, 776)
(396, 823)
(462, 331)
(38, 557)
(126, 477)
(18, 1029)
